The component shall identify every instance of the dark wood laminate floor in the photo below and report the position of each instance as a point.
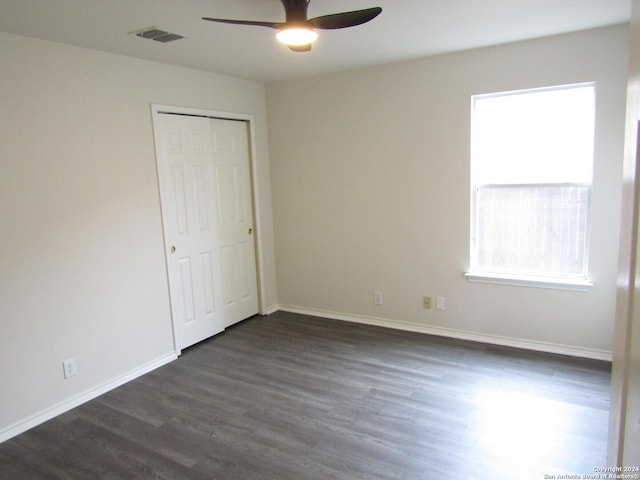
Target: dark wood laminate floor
(294, 397)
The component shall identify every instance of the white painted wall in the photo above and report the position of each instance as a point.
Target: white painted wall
(371, 192)
(82, 266)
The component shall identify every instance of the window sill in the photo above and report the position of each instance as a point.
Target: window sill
(575, 285)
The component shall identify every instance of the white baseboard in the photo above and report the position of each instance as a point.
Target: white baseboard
(459, 334)
(73, 402)
(270, 309)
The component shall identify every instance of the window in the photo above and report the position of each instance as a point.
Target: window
(531, 175)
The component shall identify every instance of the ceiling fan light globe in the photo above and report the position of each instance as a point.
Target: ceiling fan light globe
(296, 36)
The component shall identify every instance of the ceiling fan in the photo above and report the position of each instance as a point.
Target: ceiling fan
(298, 31)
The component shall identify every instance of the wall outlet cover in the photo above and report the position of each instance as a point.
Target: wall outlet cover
(69, 367)
(377, 297)
(426, 302)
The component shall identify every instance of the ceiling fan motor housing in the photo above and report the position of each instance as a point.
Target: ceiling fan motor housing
(296, 11)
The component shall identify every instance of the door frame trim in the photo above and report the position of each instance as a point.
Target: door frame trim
(158, 109)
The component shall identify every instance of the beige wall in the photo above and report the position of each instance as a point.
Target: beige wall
(371, 192)
(624, 431)
(82, 267)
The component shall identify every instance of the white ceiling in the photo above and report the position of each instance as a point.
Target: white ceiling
(406, 29)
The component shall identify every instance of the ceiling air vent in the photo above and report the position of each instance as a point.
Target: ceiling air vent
(158, 35)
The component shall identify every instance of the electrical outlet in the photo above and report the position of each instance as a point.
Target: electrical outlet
(69, 367)
(377, 297)
(440, 303)
(426, 302)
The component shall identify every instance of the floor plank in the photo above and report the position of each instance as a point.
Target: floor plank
(293, 397)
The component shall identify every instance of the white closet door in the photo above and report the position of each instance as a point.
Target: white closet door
(187, 186)
(231, 158)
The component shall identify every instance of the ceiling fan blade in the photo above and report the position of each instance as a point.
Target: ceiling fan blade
(345, 19)
(275, 25)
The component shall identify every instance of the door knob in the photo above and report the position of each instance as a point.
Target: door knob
(172, 249)
(250, 231)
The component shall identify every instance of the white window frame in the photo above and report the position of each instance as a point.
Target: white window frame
(577, 282)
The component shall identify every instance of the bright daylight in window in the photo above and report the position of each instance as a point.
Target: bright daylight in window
(531, 175)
